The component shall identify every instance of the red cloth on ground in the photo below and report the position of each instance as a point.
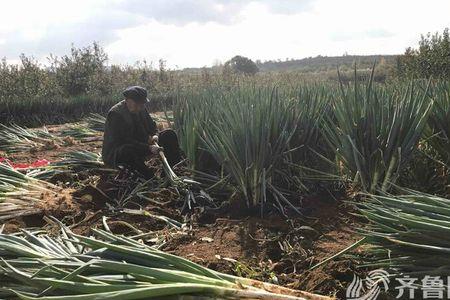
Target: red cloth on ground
(36, 164)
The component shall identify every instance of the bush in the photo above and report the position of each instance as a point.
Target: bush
(431, 59)
(242, 65)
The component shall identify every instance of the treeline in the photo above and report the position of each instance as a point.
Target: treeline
(320, 67)
(73, 85)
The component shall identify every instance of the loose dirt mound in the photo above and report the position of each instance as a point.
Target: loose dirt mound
(58, 203)
(276, 250)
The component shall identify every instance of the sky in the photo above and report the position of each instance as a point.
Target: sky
(197, 33)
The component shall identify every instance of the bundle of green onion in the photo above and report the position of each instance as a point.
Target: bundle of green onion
(38, 266)
(21, 194)
(79, 131)
(409, 233)
(80, 160)
(74, 161)
(15, 138)
(96, 122)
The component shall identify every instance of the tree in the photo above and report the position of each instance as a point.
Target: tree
(431, 59)
(82, 71)
(241, 64)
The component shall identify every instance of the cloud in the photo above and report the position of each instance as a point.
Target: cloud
(181, 12)
(53, 26)
(58, 38)
(289, 7)
(198, 32)
(50, 26)
(360, 35)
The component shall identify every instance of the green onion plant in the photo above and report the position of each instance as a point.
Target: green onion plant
(107, 266)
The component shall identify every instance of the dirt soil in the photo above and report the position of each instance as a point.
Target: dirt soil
(272, 249)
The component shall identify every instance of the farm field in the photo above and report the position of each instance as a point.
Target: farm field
(224, 150)
(273, 249)
(301, 186)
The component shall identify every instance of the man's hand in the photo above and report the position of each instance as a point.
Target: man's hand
(155, 149)
(153, 140)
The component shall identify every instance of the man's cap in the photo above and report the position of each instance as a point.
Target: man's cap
(136, 93)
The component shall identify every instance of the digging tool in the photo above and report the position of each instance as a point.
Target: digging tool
(174, 179)
(169, 172)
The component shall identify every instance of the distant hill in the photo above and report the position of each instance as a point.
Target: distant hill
(319, 63)
(325, 63)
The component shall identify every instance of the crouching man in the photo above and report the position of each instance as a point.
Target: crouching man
(131, 135)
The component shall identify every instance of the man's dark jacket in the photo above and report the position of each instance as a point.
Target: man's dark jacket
(125, 128)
